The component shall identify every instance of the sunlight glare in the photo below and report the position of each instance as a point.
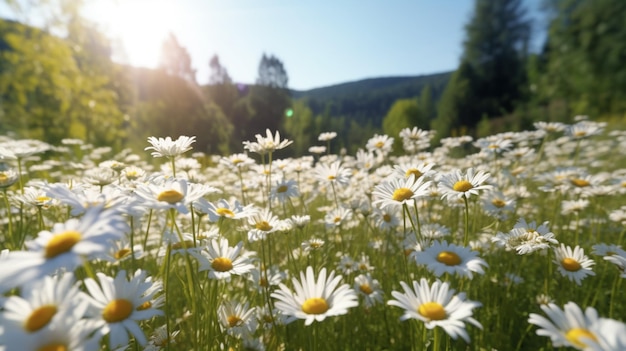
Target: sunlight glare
(138, 26)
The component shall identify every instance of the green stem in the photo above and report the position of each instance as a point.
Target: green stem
(9, 214)
(466, 234)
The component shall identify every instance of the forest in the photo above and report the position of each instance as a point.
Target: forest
(54, 87)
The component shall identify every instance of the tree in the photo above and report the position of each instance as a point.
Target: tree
(272, 73)
(404, 113)
(219, 74)
(175, 60)
(585, 52)
(494, 55)
(427, 106)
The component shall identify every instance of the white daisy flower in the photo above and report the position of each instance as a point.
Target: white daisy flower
(168, 147)
(526, 237)
(237, 319)
(442, 257)
(66, 246)
(164, 194)
(457, 185)
(573, 264)
(222, 261)
(436, 306)
(619, 260)
(608, 335)
(567, 327)
(382, 144)
(223, 209)
(284, 189)
(327, 136)
(315, 300)
(266, 144)
(333, 173)
(399, 192)
(119, 304)
(368, 288)
(261, 224)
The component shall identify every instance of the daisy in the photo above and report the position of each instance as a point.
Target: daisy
(261, 224)
(333, 173)
(284, 189)
(80, 198)
(381, 144)
(317, 149)
(65, 334)
(237, 319)
(436, 306)
(44, 303)
(65, 246)
(170, 148)
(567, 327)
(8, 177)
(164, 194)
(266, 144)
(314, 300)
(222, 261)
(118, 305)
(619, 260)
(369, 289)
(327, 136)
(526, 237)
(223, 209)
(160, 339)
(573, 264)
(312, 245)
(422, 169)
(270, 278)
(457, 185)
(337, 217)
(399, 192)
(237, 161)
(442, 257)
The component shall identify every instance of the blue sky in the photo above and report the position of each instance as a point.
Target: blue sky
(320, 42)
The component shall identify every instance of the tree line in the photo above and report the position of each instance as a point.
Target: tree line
(65, 86)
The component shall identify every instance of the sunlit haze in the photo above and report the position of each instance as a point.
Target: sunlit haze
(320, 43)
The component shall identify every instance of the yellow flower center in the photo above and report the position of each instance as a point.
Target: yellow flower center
(580, 133)
(117, 310)
(331, 177)
(315, 305)
(170, 196)
(43, 199)
(224, 212)
(3, 177)
(236, 161)
(432, 310)
(380, 144)
(144, 306)
(386, 218)
(121, 254)
(449, 258)
(462, 186)
(39, 318)
(264, 226)
(493, 146)
(337, 219)
(573, 335)
(498, 203)
(222, 264)
(570, 264)
(281, 189)
(234, 321)
(366, 289)
(263, 282)
(581, 183)
(402, 194)
(62, 243)
(53, 347)
(413, 171)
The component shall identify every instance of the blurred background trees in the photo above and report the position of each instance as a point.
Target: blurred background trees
(58, 81)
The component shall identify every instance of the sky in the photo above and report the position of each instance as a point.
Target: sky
(320, 43)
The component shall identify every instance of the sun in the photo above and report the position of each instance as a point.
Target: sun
(137, 28)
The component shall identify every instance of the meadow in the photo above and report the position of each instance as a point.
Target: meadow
(507, 242)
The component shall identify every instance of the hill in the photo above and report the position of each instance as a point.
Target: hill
(368, 100)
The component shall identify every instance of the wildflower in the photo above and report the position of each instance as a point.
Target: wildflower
(526, 237)
(222, 261)
(422, 169)
(170, 148)
(80, 198)
(284, 189)
(398, 192)
(381, 144)
(164, 194)
(261, 224)
(160, 339)
(567, 327)
(368, 288)
(237, 319)
(317, 149)
(223, 209)
(619, 260)
(121, 304)
(45, 303)
(8, 177)
(608, 335)
(327, 136)
(66, 246)
(333, 173)
(457, 185)
(264, 278)
(573, 264)
(584, 129)
(100, 176)
(312, 244)
(266, 144)
(497, 204)
(337, 217)
(573, 206)
(436, 306)
(315, 300)
(442, 257)
(300, 221)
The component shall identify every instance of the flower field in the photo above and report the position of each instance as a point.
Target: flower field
(508, 242)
